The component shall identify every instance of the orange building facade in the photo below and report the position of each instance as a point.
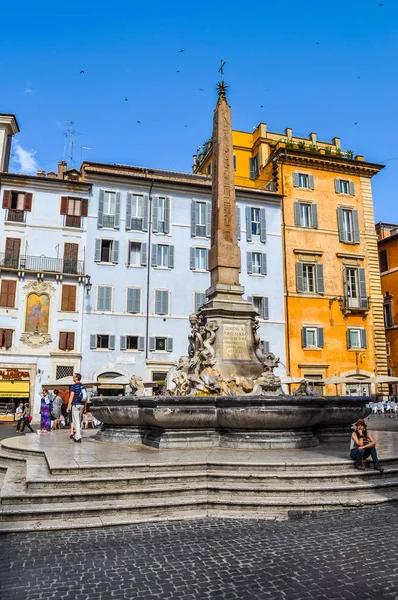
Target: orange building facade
(333, 299)
(388, 256)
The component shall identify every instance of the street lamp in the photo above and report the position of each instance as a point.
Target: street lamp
(88, 284)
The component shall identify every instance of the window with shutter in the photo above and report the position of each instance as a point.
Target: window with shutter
(161, 302)
(68, 299)
(8, 338)
(133, 300)
(12, 250)
(71, 252)
(198, 301)
(7, 293)
(104, 299)
(62, 340)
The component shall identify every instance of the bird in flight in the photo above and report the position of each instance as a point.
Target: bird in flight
(356, 122)
(126, 99)
(358, 78)
(381, 5)
(177, 71)
(181, 50)
(200, 89)
(316, 43)
(81, 72)
(262, 106)
(139, 122)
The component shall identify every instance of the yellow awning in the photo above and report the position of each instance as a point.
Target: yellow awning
(18, 389)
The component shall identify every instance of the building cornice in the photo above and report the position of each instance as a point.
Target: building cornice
(115, 174)
(11, 120)
(324, 162)
(40, 183)
(310, 252)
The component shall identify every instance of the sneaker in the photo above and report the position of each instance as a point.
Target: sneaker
(379, 468)
(77, 441)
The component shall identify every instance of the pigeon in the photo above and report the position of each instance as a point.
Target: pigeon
(81, 72)
(316, 43)
(139, 122)
(358, 78)
(126, 99)
(200, 89)
(181, 50)
(185, 125)
(381, 5)
(177, 71)
(261, 106)
(356, 122)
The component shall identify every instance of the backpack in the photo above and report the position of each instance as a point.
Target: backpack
(83, 394)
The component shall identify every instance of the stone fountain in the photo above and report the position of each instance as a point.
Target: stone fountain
(225, 392)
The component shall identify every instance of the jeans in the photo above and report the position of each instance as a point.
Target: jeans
(360, 454)
(26, 423)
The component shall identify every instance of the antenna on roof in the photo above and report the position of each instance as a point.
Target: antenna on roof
(70, 142)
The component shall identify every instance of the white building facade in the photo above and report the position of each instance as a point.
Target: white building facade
(42, 278)
(148, 236)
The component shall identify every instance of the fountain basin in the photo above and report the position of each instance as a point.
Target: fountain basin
(238, 421)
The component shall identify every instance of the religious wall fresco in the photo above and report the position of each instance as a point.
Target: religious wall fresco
(37, 309)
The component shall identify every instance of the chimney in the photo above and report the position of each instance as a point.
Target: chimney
(41, 173)
(61, 169)
(312, 137)
(288, 133)
(52, 175)
(8, 128)
(337, 142)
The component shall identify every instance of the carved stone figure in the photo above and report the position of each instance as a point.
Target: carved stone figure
(137, 385)
(306, 388)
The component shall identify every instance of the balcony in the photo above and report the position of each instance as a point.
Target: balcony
(16, 216)
(108, 221)
(354, 305)
(41, 264)
(72, 221)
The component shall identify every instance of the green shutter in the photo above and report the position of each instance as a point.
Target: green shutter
(128, 211)
(171, 257)
(362, 288)
(337, 186)
(144, 254)
(154, 255)
(199, 300)
(169, 344)
(320, 284)
(123, 345)
(145, 213)
(152, 344)
(101, 298)
(248, 224)
(208, 219)
(355, 227)
(111, 342)
(100, 208)
(265, 309)
(311, 183)
(349, 345)
(299, 277)
(249, 263)
(252, 167)
(117, 211)
(193, 218)
(351, 188)
(304, 337)
(155, 214)
(364, 343)
(263, 225)
(314, 216)
(93, 341)
(97, 255)
(108, 298)
(115, 252)
(321, 338)
(167, 203)
(263, 264)
(295, 179)
(297, 214)
(141, 343)
(342, 232)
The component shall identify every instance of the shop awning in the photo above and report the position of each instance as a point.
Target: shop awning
(18, 389)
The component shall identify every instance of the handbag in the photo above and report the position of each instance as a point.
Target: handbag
(30, 418)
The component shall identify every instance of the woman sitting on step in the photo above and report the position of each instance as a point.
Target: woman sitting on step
(362, 446)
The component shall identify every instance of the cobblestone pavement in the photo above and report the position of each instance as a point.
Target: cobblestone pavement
(327, 556)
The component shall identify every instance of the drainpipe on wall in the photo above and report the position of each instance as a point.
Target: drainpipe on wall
(287, 336)
(149, 261)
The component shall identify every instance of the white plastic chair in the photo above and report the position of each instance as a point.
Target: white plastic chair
(393, 406)
(380, 407)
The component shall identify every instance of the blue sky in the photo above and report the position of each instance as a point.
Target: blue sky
(313, 65)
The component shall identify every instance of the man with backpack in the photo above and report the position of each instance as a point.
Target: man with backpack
(77, 405)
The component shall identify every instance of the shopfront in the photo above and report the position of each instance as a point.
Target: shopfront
(14, 388)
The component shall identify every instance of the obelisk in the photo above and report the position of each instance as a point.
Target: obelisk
(225, 308)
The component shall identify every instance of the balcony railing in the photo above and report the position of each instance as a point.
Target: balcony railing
(72, 221)
(108, 221)
(41, 264)
(355, 304)
(16, 216)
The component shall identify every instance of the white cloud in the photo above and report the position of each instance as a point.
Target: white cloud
(24, 159)
(28, 90)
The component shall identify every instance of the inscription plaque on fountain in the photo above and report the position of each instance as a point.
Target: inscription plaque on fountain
(235, 341)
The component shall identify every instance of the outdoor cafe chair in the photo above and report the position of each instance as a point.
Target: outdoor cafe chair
(380, 407)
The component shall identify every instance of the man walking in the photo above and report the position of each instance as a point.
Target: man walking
(78, 405)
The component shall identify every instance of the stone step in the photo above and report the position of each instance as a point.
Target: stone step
(106, 520)
(14, 490)
(39, 478)
(157, 508)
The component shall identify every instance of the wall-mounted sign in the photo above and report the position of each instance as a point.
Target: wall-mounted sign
(13, 374)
